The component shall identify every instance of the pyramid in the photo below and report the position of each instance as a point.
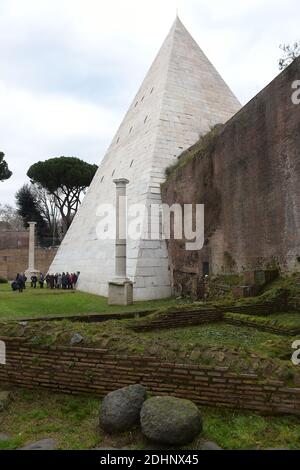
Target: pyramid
(180, 99)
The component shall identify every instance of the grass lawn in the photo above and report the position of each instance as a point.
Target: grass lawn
(43, 302)
(73, 422)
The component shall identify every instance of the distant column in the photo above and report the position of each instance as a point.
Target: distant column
(121, 288)
(31, 254)
(31, 258)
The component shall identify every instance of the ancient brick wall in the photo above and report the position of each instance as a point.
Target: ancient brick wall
(249, 181)
(13, 239)
(80, 370)
(15, 260)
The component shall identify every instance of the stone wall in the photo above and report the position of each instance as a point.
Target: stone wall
(15, 260)
(248, 177)
(13, 239)
(80, 370)
(179, 319)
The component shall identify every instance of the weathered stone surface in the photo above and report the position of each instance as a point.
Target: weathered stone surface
(239, 237)
(181, 97)
(169, 420)
(120, 410)
(44, 444)
(4, 437)
(76, 339)
(4, 399)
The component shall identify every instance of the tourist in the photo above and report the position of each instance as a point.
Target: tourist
(64, 281)
(74, 280)
(20, 282)
(14, 286)
(41, 280)
(59, 281)
(48, 281)
(33, 281)
(52, 281)
(69, 281)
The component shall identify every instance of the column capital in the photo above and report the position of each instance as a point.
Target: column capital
(32, 224)
(121, 182)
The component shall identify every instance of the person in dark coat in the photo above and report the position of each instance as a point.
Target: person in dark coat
(41, 280)
(33, 281)
(52, 281)
(20, 282)
(64, 280)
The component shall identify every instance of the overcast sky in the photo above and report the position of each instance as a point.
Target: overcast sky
(69, 69)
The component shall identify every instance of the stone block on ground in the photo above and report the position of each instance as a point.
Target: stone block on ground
(209, 445)
(44, 444)
(169, 420)
(120, 410)
(76, 339)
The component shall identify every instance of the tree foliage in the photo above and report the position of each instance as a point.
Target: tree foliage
(5, 173)
(28, 209)
(290, 53)
(66, 179)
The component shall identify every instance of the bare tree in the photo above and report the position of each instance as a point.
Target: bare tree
(47, 207)
(290, 53)
(10, 216)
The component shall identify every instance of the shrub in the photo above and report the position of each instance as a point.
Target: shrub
(2, 280)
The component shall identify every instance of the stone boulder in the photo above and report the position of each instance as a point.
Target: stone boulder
(169, 420)
(120, 410)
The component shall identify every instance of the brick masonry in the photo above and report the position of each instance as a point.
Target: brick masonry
(179, 319)
(15, 260)
(249, 182)
(183, 318)
(91, 371)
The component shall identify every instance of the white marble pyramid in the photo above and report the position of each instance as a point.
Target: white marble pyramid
(181, 98)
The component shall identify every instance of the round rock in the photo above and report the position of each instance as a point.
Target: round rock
(120, 410)
(169, 420)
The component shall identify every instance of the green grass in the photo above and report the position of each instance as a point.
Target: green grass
(43, 302)
(242, 431)
(73, 422)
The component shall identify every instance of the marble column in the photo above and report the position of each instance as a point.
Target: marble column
(121, 227)
(31, 252)
(121, 288)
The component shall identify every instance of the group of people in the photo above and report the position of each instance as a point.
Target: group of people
(62, 281)
(53, 281)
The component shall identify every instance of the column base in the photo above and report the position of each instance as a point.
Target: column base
(31, 272)
(120, 292)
